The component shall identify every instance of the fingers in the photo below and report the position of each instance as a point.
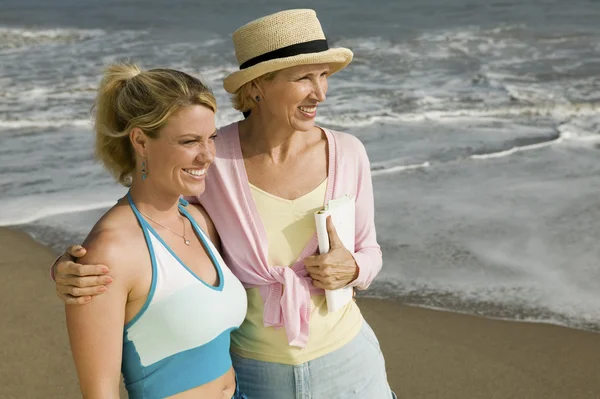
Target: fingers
(320, 262)
(312, 260)
(83, 282)
(70, 300)
(316, 270)
(324, 279)
(76, 269)
(80, 292)
(76, 251)
(334, 239)
(65, 257)
(322, 271)
(319, 284)
(88, 270)
(328, 283)
(77, 296)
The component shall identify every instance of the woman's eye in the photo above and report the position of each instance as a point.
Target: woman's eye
(214, 136)
(189, 142)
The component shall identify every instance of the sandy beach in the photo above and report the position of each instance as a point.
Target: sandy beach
(429, 354)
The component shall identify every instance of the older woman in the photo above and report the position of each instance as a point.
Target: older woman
(273, 170)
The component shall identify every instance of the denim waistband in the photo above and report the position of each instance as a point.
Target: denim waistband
(238, 394)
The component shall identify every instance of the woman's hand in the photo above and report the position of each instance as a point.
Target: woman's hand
(76, 283)
(335, 269)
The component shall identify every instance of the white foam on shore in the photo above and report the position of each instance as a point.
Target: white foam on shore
(41, 123)
(547, 320)
(522, 300)
(15, 218)
(514, 150)
(398, 169)
(585, 129)
(559, 112)
(22, 37)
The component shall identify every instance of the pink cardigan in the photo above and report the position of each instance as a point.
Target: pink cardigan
(244, 242)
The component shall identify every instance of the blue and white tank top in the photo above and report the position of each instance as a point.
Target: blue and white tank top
(180, 338)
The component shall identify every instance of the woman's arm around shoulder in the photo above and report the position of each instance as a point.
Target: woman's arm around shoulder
(96, 329)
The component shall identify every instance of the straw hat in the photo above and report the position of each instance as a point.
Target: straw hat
(282, 40)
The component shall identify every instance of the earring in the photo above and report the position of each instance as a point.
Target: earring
(257, 98)
(144, 174)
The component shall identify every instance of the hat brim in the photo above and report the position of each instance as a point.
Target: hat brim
(338, 58)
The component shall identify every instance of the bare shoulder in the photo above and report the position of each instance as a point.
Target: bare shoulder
(201, 217)
(116, 240)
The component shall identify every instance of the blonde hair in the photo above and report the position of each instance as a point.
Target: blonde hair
(129, 97)
(242, 100)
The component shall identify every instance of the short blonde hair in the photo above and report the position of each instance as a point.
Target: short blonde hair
(128, 98)
(242, 100)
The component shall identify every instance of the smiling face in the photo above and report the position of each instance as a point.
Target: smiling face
(177, 161)
(291, 98)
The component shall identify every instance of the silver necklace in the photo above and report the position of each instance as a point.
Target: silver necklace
(185, 240)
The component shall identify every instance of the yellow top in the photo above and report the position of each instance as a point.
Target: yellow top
(290, 225)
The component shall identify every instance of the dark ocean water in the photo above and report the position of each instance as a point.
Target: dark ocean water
(481, 119)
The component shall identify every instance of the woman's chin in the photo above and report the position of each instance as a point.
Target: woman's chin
(193, 190)
(303, 126)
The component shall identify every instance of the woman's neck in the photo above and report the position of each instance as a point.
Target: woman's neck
(153, 202)
(260, 138)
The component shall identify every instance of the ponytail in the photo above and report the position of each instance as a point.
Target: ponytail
(113, 147)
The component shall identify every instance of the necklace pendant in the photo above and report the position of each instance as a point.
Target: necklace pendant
(187, 242)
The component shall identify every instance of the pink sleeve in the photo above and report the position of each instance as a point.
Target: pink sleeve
(366, 250)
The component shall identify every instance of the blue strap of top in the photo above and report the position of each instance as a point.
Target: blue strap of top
(146, 227)
(203, 239)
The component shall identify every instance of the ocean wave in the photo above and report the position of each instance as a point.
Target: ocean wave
(586, 129)
(521, 144)
(509, 148)
(515, 149)
(21, 37)
(32, 123)
(502, 57)
(23, 93)
(560, 112)
(354, 120)
(379, 170)
(19, 218)
(517, 302)
(442, 44)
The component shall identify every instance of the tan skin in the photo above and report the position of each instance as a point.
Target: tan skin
(96, 330)
(285, 154)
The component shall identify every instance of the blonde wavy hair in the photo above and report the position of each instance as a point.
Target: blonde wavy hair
(129, 97)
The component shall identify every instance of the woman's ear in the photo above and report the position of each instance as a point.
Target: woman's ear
(256, 89)
(139, 140)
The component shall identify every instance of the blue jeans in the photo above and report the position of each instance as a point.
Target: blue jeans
(238, 394)
(356, 370)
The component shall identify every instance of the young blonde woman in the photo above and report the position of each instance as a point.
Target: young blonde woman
(165, 321)
(273, 170)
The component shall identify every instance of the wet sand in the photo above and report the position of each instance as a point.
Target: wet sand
(429, 354)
